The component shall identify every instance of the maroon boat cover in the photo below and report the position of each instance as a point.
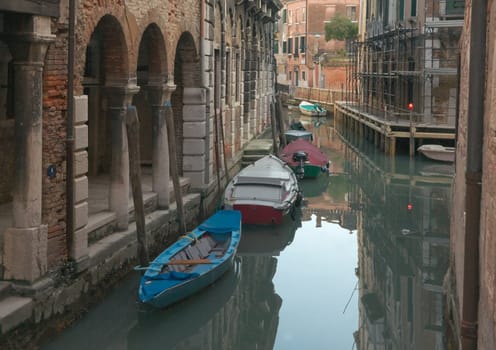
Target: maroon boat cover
(315, 155)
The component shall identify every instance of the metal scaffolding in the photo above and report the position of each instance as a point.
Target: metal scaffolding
(416, 61)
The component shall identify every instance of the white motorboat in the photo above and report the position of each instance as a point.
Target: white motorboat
(438, 152)
(264, 192)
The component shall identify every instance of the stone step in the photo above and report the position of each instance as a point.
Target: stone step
(102, 224)
(14, 311)
(5, 288)
(250, 158)
(260, 146)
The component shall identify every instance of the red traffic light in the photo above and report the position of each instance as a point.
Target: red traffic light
(410, 106)
(409, 206)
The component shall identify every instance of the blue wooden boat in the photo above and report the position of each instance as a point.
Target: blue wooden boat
(195, 261)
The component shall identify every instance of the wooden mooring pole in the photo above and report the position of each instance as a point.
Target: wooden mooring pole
(274, 126)
(133, 130)
(280, 122)
(169, 120)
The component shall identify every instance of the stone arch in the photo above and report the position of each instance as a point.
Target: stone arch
(108, 84)
(151, 77)
(106, 63)
(238, 58)
(188, 104)
(151, 74)
(247, 57)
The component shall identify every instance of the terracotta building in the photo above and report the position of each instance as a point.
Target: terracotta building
(304, 57)
(65, 197)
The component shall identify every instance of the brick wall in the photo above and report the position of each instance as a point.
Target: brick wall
(173, 18)
(54, 124)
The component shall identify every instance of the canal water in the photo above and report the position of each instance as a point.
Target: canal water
(360, 267)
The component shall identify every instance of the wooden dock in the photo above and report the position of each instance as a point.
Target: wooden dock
(385, 131)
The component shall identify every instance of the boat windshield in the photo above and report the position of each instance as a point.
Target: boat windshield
(258, 192)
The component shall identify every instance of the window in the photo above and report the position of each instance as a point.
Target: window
(302, 44)
(296, 46)
(236, 93)
(290, 45)
(228, 77)
(284, 47)
(284, 15)
(276, 46)
(413, 10)
(351, 13)
(289, 75)
(455, 7)
(303, 76)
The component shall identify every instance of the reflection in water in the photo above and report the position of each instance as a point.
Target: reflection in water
(382, 220)
(189, 324)
(403, 251)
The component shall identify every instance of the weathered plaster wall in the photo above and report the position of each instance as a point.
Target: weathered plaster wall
(487, 304)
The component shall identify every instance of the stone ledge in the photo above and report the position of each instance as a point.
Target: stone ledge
(14, 311)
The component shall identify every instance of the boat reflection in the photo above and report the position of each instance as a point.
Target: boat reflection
(187, 324)
(269, 240)
(231, 311)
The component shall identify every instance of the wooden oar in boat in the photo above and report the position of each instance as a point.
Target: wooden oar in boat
(189, 262)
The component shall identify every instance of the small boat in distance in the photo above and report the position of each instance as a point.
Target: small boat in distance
(306, 159)
(292, 135)
(438, 152)
(195, 261)
(312, 109)
(264, 192)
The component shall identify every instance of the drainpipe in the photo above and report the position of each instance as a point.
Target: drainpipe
(70, 132)
(473, 174)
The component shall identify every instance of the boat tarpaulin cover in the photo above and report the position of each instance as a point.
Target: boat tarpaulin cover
(315, 155)
(223, 221)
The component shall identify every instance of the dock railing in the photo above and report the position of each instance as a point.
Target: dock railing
(322, 96)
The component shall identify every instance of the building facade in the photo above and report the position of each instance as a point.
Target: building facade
(471, 297)
(65, 194)
(304, 57)
(408, 52)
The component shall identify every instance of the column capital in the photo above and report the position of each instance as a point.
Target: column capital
(28, 39)
(28, 48)
(170, 87)
(156, 94)
(120, 95)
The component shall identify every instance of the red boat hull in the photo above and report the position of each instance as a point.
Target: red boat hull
(259, 214)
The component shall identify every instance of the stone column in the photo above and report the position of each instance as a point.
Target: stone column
(157, 95)
(25, 244)
(119, 97)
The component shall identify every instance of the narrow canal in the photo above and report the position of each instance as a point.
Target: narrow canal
(361, 267)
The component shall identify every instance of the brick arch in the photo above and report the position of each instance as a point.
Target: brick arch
(151, 75)
(156, 26)
(152, 45)
(183, 34)
(119, 26)
(115, 62)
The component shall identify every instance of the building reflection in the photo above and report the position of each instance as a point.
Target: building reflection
(403, 239)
